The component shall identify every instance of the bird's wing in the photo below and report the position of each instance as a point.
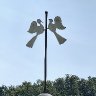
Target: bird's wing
(33, 27)
(57, 19)
(58, 23)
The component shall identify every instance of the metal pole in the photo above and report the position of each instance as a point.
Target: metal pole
(45, 59)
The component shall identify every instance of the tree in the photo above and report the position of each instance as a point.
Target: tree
(71, 85)
(59, 84)
(83, 87)
(91, 86)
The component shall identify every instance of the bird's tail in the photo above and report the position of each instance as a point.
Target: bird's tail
(60, 39)
(31, 42)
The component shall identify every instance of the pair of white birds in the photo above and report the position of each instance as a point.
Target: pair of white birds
(34, 28)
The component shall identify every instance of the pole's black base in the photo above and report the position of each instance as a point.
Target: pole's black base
(44, 94)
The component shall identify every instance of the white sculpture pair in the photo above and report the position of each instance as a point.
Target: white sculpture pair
(34, 28)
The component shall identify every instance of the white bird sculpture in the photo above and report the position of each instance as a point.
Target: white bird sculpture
(35, 29)
(57, 24)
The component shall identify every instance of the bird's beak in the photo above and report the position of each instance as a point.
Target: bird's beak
(50, 20)
(64, 27)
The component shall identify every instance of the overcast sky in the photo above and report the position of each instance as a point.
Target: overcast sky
(76, 56)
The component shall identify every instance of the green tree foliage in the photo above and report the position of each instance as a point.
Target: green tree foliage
(59, 85)
(70, 85)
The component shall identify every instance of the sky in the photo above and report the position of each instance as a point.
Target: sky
(77, 56)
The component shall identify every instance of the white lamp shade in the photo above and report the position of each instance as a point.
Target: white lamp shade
(44, 94)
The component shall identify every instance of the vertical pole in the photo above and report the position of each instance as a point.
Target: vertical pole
(45, 59)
